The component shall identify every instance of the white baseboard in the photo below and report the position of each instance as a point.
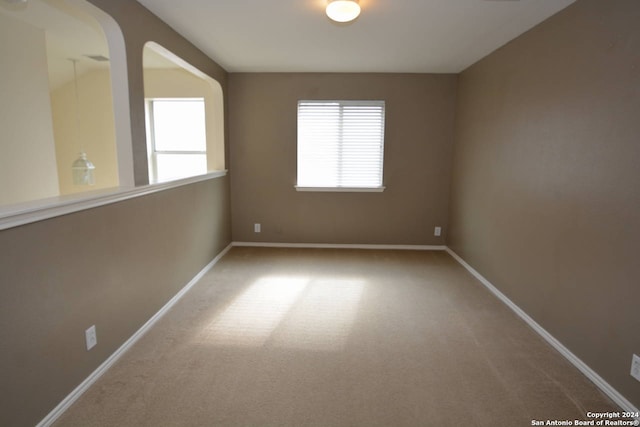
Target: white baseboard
(78, 391)
(340, 246)
(604, 386)
(586, 370)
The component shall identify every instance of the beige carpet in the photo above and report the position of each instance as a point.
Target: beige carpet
(284, 337)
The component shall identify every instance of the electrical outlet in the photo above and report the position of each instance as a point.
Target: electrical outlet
(91, 337)
(256, 228)
(437, 231)
(635, 367)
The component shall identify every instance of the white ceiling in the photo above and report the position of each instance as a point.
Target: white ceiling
(415, 36)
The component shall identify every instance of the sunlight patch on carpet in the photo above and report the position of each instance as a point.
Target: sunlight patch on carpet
(289, 312)
(323, 317)
(251, 319)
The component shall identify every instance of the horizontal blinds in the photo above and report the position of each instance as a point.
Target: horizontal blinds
(340, 143)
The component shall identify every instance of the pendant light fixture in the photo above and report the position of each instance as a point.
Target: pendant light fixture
(82, 168)
(343, 10)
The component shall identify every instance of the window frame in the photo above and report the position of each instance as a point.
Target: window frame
(151, 140)
(339, 188)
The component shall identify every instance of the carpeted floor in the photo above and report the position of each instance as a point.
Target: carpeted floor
(306, 337)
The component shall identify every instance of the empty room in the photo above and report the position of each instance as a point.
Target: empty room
(319, 213)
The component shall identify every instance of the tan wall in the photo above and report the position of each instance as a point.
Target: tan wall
(418, 141)
(112, 266)
(28, 158)
(546, 194)
(95, 127)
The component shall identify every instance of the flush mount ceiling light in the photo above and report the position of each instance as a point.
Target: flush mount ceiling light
(343, 10)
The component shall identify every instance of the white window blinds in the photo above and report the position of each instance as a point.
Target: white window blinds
(340, 144)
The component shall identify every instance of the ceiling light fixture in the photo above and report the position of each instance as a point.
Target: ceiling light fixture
(343, 10)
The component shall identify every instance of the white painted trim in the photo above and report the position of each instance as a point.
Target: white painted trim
(340, 246)
(604, 386)
(25, 213)
(95, 375)
(84, 386)
(341, 189)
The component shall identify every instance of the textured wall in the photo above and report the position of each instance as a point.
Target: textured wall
(545, 195)
(113, 267)
(417, 160)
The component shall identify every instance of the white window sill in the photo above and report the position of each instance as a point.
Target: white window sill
(38, 210)
(342, 189)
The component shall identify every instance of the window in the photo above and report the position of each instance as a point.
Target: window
(340, 145)
(188, 140)
(177, 135)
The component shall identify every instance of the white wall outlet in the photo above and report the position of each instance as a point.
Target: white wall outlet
(437, 231)
(91, 337)
(635, 367)
(256, 228)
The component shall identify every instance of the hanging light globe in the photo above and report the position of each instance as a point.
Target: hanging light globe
(83, 170)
